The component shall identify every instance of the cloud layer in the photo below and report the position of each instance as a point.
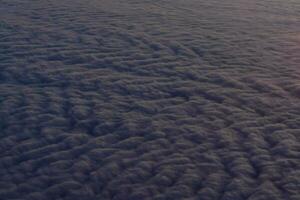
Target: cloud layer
(125, 100)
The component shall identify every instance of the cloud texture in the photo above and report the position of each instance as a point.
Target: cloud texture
(149, 100)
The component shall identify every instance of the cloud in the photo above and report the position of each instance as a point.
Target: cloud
(149, 100)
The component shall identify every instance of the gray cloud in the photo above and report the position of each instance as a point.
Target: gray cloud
(149, 100)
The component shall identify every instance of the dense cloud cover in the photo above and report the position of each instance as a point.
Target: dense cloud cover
(149, 100)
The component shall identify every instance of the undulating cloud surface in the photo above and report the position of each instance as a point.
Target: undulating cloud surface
(150, 100)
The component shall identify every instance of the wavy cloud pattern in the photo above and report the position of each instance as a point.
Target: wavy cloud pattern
(149, 100)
